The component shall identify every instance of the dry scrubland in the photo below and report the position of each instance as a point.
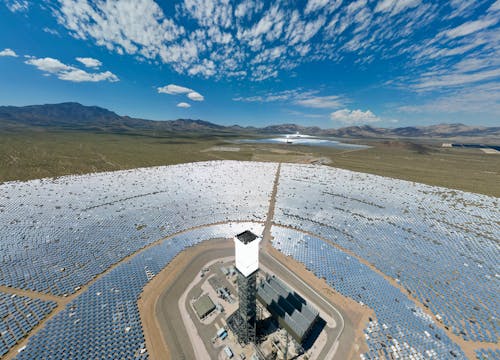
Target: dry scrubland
(48, 154)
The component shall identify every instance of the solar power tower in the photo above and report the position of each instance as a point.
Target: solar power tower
(246, 247)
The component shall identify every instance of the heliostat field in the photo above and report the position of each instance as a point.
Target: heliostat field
(77, 251)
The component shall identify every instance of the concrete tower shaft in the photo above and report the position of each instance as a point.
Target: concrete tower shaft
(246, 246)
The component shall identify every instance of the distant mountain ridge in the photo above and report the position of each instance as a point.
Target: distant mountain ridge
(366, 131)
(75, 116)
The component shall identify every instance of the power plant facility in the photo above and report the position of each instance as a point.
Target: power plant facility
(278, 308)
(246, 305)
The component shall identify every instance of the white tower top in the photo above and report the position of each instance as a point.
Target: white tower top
(246, 248)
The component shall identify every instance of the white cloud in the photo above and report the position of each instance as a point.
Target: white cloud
(243, 9)
(463, 8)
(268, 28)
(260, 40)
(133, 27)
(183, 105)
(385, 5)
(315, 5)
(292, 96)
(69, 73)
(321, 102)
(246, 9)
(210, 12)
(301, 31)
(8, 52)
(299, 97)
(269, 55)
(431, 81)
(173, 89)
(49, 65)
(17, 5)
(470, 27)
(51, 31)
(396, 6)
(195, 96)
(354, 117)
(206, 68)
(89, 62)
(495, 6)
(263, 72)
(477, 100)
(78, 75)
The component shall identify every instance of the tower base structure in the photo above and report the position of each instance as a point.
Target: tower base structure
(243, 321)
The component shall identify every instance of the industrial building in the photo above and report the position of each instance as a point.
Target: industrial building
(203, 306)
(288, 308)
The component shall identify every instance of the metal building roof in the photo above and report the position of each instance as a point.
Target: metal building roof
(203, 306)
(288, 306)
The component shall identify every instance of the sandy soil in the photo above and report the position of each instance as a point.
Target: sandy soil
(31, 294)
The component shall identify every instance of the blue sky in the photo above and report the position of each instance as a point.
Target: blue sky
(328, 63)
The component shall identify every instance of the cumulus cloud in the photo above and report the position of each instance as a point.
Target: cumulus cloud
(69, 73)
(173, 89)
(193, 95)
(89, 62)
(354, 117)
(8, 52)
(184, 105)
(49, 65)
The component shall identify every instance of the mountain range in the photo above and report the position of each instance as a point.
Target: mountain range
(75, 116)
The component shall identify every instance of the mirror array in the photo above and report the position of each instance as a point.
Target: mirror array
(58, 234)
(104, 322)
(441, 245)
(401, 330)
(488, 354)
(18, 316)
